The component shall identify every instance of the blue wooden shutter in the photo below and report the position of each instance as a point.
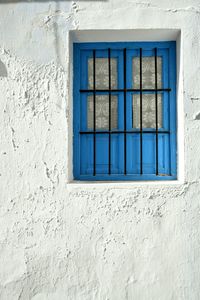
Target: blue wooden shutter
(88, 150)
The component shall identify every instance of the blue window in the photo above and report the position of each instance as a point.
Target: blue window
(124, 111)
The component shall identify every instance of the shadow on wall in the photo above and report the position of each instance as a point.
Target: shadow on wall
(3, 70)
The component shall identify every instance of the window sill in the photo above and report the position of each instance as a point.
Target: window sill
(123, 184)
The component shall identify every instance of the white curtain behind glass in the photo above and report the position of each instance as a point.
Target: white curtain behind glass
(102, 101)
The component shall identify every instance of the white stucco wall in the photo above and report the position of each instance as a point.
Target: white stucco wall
(72, 241)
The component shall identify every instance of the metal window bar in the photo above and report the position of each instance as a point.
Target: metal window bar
(109, 141)
(141, 131)
(141, 160)
(124, 111)
(156, 109)
(94, 112)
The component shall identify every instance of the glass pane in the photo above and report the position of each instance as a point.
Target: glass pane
(102, 78)
(148, 72)
(102, 112)
(148, 111)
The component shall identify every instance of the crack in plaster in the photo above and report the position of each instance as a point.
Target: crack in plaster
(195, 99)
(67, 16)
(13, 139)
(149, 5)
(180, 10)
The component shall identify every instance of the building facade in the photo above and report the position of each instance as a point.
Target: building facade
(75, 240)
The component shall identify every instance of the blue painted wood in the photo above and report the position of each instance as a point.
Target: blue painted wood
(83, 144)
(172, 109)
(121, 177)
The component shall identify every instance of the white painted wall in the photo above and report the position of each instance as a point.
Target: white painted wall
(76, 241)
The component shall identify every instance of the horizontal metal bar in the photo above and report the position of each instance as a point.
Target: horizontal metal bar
(126, 90)
(122, 131)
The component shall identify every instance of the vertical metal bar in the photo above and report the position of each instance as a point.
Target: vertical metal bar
(156, 109)
(124, 111)
(109, 142)
(141, 129)
(94, 112)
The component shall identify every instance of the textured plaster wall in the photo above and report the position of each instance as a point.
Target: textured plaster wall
(61, 241)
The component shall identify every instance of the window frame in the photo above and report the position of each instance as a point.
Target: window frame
(78, 48)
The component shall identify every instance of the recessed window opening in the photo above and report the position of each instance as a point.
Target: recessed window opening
(125, 111)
